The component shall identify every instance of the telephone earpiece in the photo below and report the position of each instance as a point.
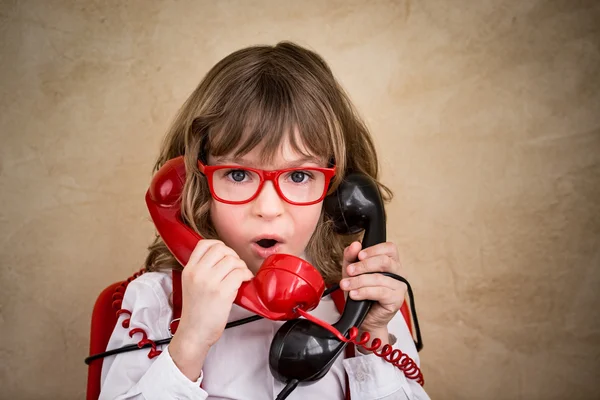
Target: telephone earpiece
(163, 199)
(301, 349)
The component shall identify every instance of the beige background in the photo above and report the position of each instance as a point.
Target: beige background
(486, 115)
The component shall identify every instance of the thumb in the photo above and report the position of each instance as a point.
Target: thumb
(350, 256)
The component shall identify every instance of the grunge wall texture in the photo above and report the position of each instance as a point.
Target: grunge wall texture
(486, 115)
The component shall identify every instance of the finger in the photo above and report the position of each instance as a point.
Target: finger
(386, 248)
(351, 252)
(383, 295)
(233, 280)
(201, 247)
(378, 263)
(350, 255)
(370, 280)
(215, 254)
(224, 267)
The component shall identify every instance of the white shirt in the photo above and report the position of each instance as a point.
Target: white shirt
(237, 366)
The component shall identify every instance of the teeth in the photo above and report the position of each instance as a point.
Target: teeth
(266, 243)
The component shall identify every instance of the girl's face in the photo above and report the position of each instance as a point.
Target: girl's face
(268, 224)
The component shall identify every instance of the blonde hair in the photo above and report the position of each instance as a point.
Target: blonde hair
(261, 95)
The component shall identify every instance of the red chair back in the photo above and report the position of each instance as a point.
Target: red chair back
(104, 320)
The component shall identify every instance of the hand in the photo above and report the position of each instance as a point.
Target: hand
(209, 284)
(387, 292)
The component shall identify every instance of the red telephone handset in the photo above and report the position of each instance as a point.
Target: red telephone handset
(284, 282)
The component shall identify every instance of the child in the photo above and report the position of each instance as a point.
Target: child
(268, 108)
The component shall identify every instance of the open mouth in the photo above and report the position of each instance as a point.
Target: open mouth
(266, 243)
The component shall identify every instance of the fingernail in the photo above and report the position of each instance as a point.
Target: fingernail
(351, 269)
(361, 254)
(344, 284)
(353, 292)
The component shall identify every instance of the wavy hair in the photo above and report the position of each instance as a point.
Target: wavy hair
(256, 96)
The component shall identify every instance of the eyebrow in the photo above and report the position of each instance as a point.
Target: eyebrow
(290, 164)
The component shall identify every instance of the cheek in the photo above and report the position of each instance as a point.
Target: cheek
(223, 217)
(306, 220)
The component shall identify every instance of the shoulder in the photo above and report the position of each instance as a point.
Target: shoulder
(147, 299)
(159, 284)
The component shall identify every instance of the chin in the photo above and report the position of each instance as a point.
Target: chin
(254, 268)
(253, 264)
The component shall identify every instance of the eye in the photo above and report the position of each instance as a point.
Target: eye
(237, 175)
(299, 176)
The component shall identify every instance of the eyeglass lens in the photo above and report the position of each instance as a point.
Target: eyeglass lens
(299, 186)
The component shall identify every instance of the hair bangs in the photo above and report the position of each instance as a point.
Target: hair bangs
(265, 113)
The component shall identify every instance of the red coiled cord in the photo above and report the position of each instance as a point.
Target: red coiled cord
(118, 301)
(394, 356)
(145, 341)
(118, 297)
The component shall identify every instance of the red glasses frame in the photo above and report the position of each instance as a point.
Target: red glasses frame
(273, 176)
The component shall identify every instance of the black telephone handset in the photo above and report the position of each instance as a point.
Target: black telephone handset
(303, 351)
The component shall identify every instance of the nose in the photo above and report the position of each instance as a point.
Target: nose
(268, 204)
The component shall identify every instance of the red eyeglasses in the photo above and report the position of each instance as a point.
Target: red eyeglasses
(235, 184)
